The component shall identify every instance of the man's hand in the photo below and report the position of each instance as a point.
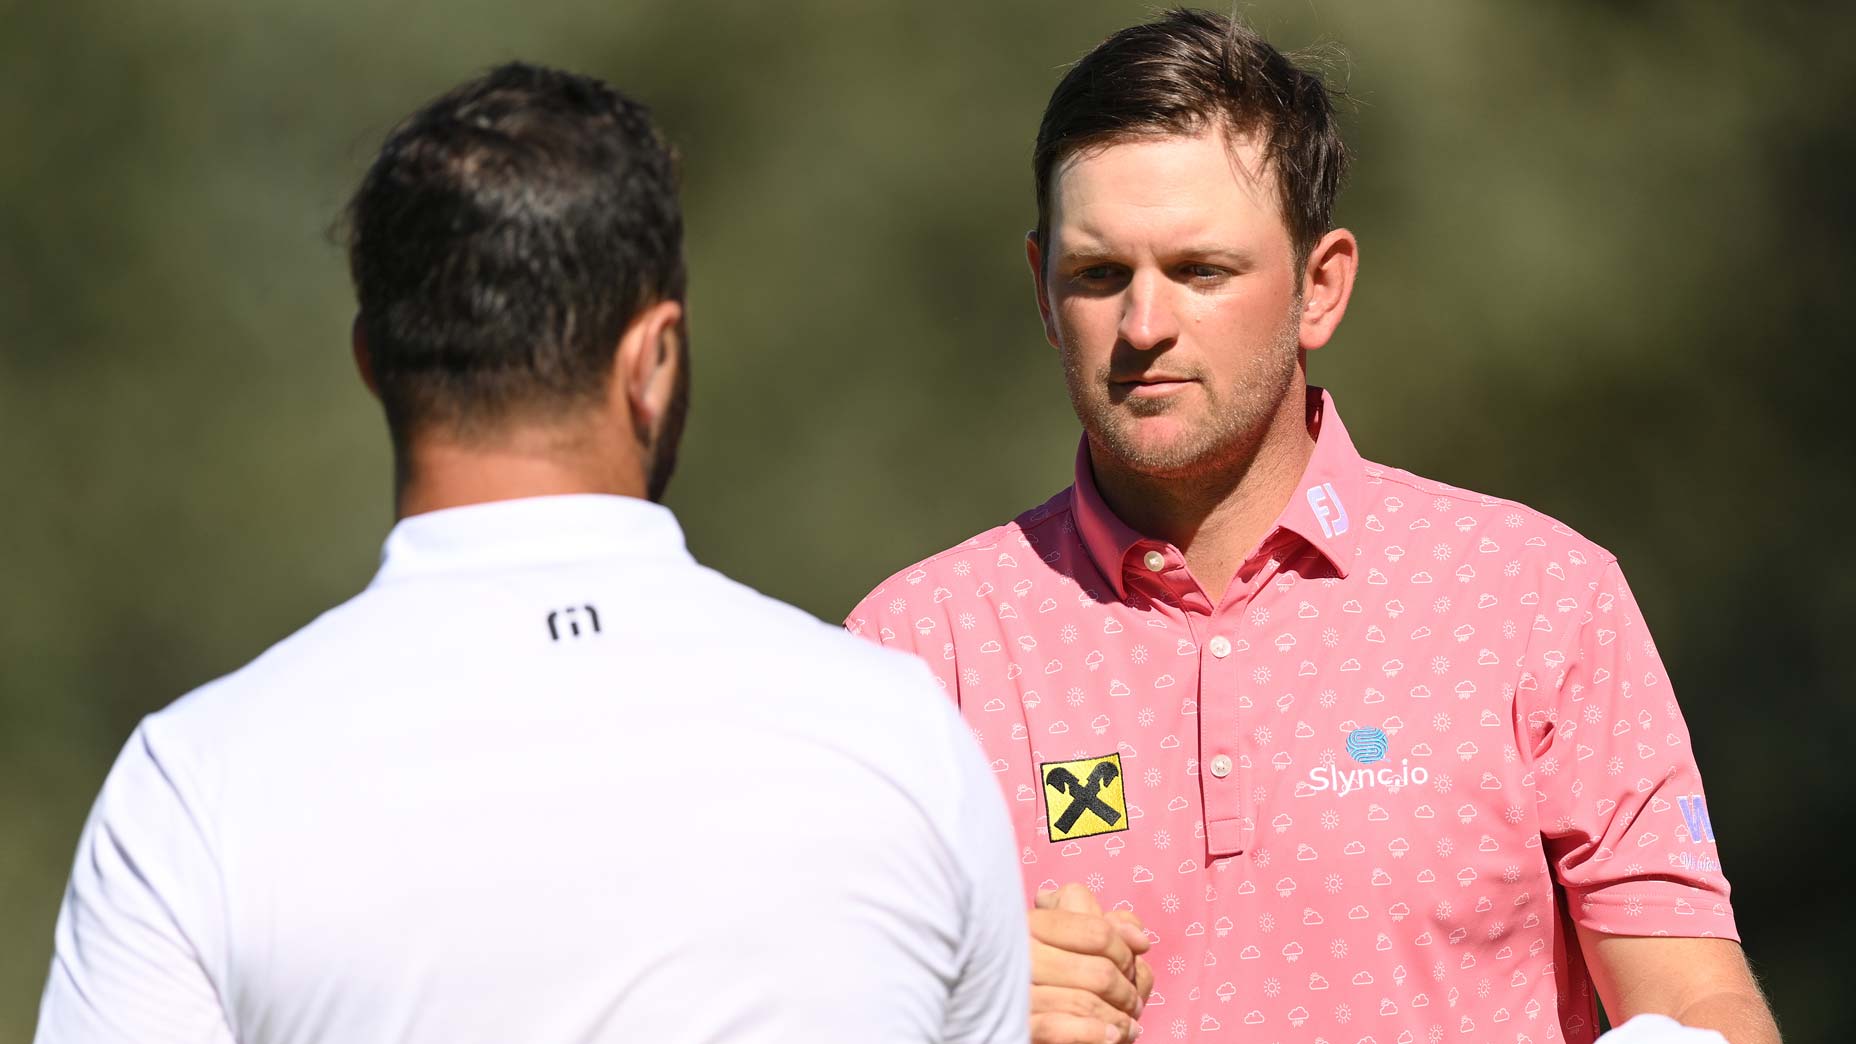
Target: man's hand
(1088, 981)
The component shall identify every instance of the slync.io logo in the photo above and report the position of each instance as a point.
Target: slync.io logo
(1366, 747)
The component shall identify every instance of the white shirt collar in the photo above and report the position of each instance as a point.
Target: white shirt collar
(532, 531)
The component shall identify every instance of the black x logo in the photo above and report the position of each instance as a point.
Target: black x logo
(1083, 794)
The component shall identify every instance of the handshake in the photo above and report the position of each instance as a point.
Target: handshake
(1089, 983)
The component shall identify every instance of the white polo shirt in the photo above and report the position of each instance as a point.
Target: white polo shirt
(547, 779)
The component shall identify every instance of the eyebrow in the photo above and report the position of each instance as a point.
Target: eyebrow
(1084, 256)
(1232, 256)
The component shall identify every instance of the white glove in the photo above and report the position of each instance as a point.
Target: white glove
(1659, 1029)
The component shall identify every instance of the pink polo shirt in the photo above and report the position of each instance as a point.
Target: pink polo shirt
(1363, 799)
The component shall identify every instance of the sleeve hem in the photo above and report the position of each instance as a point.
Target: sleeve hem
(1612, 911)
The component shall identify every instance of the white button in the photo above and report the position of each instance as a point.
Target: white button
(1154, 560)
(1221, 766)
(1221, 646)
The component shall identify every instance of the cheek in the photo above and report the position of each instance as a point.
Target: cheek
(1250, 321)
(1087, 325)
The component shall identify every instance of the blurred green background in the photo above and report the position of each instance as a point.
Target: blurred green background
(1606, 249)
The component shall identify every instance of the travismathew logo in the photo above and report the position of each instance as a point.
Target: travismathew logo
(1367, 747)
(566, 622)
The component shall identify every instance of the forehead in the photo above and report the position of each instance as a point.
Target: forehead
(1155, 186)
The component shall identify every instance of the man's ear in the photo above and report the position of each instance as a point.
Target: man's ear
(1327, 284)
(363, 359)
(1036, 258)
(645, 366)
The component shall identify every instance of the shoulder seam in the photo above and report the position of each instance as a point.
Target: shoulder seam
(1408, 480)
(974, 543)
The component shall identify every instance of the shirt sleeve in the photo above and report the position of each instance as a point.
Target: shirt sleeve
(990, 1003)
(142, 921)
(1620, 802)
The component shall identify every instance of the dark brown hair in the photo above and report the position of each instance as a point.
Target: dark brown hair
(1177, 76)
(502, 241)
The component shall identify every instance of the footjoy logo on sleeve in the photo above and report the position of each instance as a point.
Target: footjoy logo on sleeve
(1319, 500)
(1366, 747)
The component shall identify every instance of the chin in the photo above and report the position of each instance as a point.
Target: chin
(1173, 445)
(1154, 446)
(1163, 436)
(1171, 463)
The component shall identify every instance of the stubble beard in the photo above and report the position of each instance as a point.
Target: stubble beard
(1229, 433)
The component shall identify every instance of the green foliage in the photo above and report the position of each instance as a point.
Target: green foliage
(1605, 249)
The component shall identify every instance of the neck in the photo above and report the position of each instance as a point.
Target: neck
(1217, 515)
(437, 473)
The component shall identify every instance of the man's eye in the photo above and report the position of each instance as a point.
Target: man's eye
(1094, 272)
(1204, 271)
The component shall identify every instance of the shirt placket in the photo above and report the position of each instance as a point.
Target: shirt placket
(1225, 764)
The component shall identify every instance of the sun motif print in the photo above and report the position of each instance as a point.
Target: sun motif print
(1342, 799)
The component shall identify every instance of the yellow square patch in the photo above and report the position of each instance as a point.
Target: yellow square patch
(1084, 797)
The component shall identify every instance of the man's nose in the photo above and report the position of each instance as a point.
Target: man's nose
(1147, 318)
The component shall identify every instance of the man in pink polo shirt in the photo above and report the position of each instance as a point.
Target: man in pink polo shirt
(1374, 759)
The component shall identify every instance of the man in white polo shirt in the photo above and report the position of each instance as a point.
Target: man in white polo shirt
(547, 778)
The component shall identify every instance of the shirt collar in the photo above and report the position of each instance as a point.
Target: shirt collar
(531, 531)
(1317, 512)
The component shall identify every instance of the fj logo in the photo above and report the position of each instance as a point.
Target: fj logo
(1328, 509)
(1084, 797)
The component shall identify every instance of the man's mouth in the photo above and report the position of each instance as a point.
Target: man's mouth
(1150, 385)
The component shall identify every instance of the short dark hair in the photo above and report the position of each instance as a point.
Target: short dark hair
(502, 241)
(1184, 73)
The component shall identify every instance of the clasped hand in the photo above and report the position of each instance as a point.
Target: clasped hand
(1088, 981)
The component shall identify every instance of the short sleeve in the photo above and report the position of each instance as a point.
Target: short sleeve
(142, 921)
(1621, 807)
